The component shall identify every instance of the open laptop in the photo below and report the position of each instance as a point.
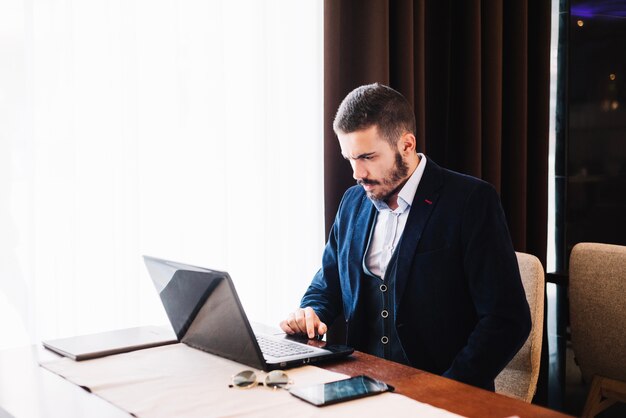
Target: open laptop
(205, 312)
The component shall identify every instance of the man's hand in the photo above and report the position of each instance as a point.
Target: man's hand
(304, 321)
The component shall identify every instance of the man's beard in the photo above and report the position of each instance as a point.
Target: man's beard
(392, 180)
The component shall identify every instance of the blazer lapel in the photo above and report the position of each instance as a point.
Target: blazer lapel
(423, 204)
(357, 244)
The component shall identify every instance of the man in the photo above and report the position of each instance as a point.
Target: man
(419, 259)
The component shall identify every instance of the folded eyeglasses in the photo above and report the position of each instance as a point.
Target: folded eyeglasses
(248, 379)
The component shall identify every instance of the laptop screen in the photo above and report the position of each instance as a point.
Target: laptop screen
(182, 289)
(204, 310)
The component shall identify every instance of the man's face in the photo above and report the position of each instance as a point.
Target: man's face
(376, 165)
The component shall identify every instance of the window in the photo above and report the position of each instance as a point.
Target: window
(184, 130)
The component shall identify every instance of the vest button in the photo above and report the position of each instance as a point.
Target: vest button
(384, 313)
(384, 340)
(383, 288)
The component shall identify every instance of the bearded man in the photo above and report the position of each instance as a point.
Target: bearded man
(419, 259)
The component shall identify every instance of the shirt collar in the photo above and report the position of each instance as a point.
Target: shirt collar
(407, 193)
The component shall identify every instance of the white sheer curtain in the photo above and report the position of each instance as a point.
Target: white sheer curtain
(189, 130)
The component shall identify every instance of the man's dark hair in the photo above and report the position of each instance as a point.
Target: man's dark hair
(379, 105)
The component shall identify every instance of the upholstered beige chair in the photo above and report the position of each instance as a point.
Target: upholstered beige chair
(519, 378)
(597, 298)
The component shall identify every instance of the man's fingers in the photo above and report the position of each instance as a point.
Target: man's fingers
(300, 321)
(288, 325)
(304, 321)
(285, 327)
(311, 321)
(292, 323)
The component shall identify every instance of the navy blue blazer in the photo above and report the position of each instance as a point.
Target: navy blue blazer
(459, 306)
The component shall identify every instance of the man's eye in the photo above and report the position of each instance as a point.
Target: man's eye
(367, 157)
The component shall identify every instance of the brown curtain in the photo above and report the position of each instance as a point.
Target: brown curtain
(477, 74)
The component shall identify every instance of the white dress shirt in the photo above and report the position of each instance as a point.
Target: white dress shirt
(389, 225)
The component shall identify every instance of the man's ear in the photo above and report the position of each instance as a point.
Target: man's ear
(407, 143)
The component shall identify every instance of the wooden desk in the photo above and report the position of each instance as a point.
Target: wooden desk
(27, 390)
(438, 391)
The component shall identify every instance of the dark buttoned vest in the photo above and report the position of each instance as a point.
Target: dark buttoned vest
(381, 338)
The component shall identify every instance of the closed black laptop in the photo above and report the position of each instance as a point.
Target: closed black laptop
(205, 312)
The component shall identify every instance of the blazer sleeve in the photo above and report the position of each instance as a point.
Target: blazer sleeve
(324, 293)
(495, 286)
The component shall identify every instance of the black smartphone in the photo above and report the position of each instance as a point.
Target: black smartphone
(341, 390)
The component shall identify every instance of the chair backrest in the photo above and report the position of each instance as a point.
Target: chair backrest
(519, 377)
(597, 299)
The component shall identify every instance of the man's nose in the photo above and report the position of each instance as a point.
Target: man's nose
(358, 171)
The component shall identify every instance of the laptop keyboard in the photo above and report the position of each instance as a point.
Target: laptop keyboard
(281, 348)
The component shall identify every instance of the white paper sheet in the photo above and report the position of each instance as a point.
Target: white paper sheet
(179, 381)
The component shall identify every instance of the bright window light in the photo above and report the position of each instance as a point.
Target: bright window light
(184, 130)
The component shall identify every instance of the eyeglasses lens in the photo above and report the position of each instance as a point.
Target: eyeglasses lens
(276, 379)
(244, 379)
